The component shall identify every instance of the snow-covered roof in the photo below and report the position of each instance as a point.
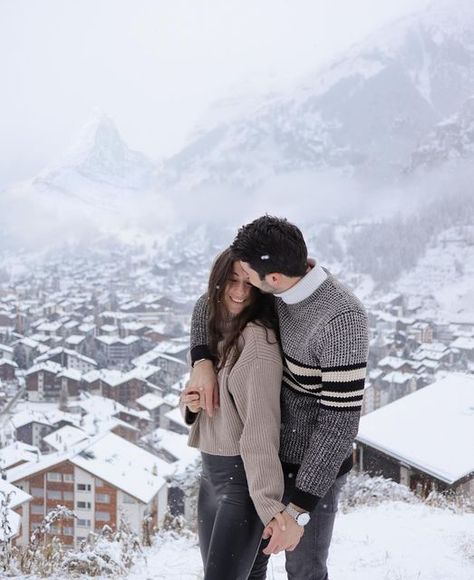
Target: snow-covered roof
(73, 374)
(63, 438)
(150, 401)
(6, 361)
(176, 416)
(392, 361)
(428, 429)
(109, 340)
(18, 495)
(175, 444)
(16, 452)
(124, 465)
(397, 377)
(463, 343)
(75, 339)
(69, 352)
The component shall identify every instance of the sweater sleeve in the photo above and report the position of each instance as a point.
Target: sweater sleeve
(256, 392)
(343, 356)
(199, 338)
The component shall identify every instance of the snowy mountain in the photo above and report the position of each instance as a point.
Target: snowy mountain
(362, 115)
(451, 140)
(99, 160)
(99, 185)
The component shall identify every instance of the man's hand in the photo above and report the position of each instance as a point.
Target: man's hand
(285, 534)
(203, 380)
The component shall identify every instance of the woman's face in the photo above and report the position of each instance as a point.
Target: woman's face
(238, 290)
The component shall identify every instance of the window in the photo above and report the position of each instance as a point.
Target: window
(102, 516)
(83, 523)
(83, 486)
(69, 477)
(128, 499)
(35, 525)
(37, 509)
(53, 494)
(54, 476)
(67, 531)
(98, 482)
(37, 491)
(84, 505)
(102, 498)
(68, 495)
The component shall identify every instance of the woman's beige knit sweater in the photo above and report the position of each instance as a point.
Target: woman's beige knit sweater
(247, 422)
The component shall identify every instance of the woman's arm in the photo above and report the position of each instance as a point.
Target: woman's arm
(203, 377)
(255, 387)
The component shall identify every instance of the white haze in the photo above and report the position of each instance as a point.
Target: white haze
(154, 66)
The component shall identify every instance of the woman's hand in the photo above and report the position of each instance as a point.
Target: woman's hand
(192, 400)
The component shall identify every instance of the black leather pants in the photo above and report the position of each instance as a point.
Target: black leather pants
(228, 525)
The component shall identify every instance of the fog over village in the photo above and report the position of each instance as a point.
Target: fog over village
(105, 247)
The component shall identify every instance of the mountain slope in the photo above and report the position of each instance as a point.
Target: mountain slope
(362, 115)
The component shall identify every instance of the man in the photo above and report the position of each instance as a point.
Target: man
(324, 338)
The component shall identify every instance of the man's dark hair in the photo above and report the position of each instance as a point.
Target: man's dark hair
(270, 244)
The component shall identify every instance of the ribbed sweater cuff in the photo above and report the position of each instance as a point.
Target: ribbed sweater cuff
(304, 500)
(200, 351)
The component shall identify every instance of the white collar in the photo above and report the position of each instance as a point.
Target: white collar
(305, 286)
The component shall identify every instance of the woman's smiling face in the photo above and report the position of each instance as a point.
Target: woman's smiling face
(238, 290)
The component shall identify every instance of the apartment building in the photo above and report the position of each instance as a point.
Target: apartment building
(101, 481)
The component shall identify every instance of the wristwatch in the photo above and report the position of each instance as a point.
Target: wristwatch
(301, 518)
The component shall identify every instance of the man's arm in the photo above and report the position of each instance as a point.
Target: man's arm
(203, 377)
(343, 356)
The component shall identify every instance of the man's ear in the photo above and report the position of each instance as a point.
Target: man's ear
(274, 279)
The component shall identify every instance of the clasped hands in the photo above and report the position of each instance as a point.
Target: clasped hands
(284, 534)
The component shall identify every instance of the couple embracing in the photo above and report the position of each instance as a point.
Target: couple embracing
(279, 353)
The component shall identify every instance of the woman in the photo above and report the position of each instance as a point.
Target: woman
(242, 479)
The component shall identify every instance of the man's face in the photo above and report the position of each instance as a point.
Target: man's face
(255, 280)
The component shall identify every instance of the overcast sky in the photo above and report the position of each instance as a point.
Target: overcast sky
(155, 66)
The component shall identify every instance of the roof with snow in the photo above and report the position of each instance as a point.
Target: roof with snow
(18, 495)
(431, 429)
(65, 437)
(111, 458)
(124, 465)
(150, 401)
(463, 343)
(175, 444)
(16, 452)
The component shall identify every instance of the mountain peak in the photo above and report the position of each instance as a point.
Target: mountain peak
(99, 154)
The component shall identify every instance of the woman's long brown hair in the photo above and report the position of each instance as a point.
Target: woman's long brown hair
(260, 310)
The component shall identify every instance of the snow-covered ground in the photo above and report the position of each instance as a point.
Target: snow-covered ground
(392, 541)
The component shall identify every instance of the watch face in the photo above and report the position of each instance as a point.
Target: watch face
(303, 519)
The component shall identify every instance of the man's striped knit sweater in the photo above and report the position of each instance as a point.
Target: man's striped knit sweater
(324, 337)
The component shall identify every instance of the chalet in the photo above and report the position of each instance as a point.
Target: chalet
(421, 331)
(41, 381)
(6, 352)
(405, 441)
(466, 347)
(69, 359)
(153, 404)
(8, 370)
(70, 381)
(100, 480)
(118, 351)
